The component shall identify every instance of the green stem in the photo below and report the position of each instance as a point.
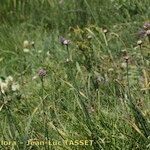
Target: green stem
(44, 113)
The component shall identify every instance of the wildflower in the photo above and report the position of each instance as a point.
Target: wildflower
(67, 60)
(146, 26)
(9, 79)
(3, 87)
(15, 87)
(26, 50)
(139, 42)
(26, 44)
(64, 41)
(148, 32)
(105, 30)
(41, 72)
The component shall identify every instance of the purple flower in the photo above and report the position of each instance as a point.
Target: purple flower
(142, 33)
(146, 26)
(64, 41)
(41, 72)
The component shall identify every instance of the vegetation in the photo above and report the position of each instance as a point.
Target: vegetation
(75, 75)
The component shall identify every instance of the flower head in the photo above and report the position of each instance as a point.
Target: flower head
(26, 44)
(64, 41)
(139, 42)
(146, 26)
(9, 79)
(3, 87)
(26, 50)
(42, 72)
(15, 87)
(148, 32)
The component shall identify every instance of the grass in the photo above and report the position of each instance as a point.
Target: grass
(96, 88)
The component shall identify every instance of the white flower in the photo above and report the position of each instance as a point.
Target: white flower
(26, 44)
(3, 87)
(66, 42)
(139, 42)
(105, 31)
(9, 79)
(15, 87)
(148, 32)
(26, 50)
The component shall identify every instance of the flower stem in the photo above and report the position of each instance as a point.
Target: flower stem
(44, 113)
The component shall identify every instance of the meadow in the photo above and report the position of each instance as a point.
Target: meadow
(75, 75)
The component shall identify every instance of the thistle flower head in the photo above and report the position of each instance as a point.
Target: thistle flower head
(146, 26)
(42, 72)
(64, 41)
